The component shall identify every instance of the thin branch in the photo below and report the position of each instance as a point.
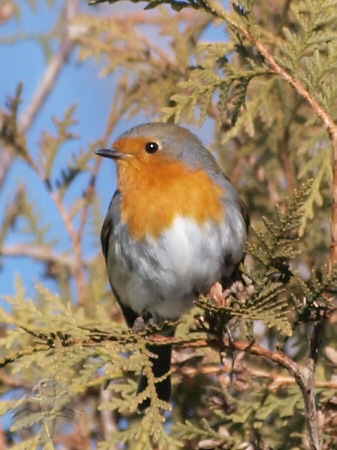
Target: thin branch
(52, 72)
(108, 417)
(6, 159)
(333, 252)
(42, 253)
(87, 197)
(3, 440)
(277, 357)
(77, 268)
(28, 351)
(277, 381)
(299, 87)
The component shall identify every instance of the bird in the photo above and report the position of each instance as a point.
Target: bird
(174, 227)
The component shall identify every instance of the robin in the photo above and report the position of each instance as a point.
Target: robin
(174, 227)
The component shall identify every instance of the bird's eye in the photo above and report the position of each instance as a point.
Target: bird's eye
(151, 147)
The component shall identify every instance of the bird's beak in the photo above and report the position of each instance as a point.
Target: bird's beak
(113, 153)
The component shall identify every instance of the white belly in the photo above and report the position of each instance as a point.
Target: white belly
(163, 276)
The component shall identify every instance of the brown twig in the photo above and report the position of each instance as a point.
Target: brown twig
(3, 440)
(38, 252)
(108, 417)
(6, 159)
(52, 72)
(277, 381)
(12, 357)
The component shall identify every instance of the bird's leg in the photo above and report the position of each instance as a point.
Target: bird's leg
(142, 321)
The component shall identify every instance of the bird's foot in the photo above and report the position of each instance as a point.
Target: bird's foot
(142, 321)
(138, 325)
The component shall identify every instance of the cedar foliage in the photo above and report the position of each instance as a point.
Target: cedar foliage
(244, 356)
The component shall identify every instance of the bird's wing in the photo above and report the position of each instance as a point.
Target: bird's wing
(245, 214)
(112, 219)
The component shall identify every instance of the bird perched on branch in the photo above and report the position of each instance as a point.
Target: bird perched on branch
(175, 226)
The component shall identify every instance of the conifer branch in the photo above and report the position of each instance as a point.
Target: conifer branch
(326, 119)
(12, 357)
(304, 376)
(77, 269)
(83, 341)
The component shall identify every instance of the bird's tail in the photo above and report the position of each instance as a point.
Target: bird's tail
(160, 366)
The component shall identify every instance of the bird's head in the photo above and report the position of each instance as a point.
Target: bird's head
(155, 142)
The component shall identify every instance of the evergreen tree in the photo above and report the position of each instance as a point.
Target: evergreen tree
(254, 364)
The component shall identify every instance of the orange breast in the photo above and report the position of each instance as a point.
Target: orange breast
(155, 192)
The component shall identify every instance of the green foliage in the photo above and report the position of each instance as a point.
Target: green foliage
(9, 130)
(315, 302)
(313, 19)
(146, 434)
(276, 244)
(50, 145)
(204, 83)
(271, 141)
(320, 165)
